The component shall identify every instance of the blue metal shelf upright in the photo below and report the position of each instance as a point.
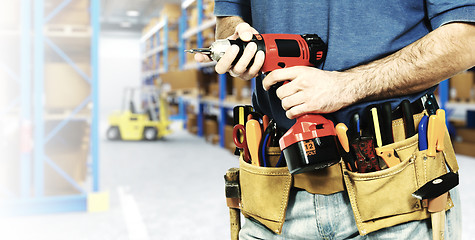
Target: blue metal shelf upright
(32, 198)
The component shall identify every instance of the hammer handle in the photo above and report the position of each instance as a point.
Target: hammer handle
(234, 213)
(438, 225)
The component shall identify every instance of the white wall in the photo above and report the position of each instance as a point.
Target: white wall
(119, 59)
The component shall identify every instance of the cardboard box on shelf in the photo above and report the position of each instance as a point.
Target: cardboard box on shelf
(71, 17)
(465, 148)
(211, 131)
(464, 143)
(193, 18)
(208, 36)
(228, 138)
(76, 4)
(173, 61)
(70, 137)
(174, 109)
(208, 9)
(192, 123)
(461, 87)
(172, 37)
(150, 24)
(187, 79)
(64, 87)
(466, 135)
(73, 163)
(241, 89)
(172, 11)
(213, 90)
(68, 150)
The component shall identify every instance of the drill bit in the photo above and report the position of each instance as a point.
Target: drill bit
(199, 50)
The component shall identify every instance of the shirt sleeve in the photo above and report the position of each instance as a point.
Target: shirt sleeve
(441, 12)
(240, 8)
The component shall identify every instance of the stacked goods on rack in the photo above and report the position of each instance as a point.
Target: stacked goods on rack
(160, 43)
(464, 143)
(186, 81)
(228, 138)
(73, 20)
(76, 12)
(211, 131)
(462, 98)
(241, 90)
(462, 87)
(208, 9)
(68, 149)
(208, 33)
(171, 38)
(65, 88)
(192, 119)
(67, 95)
(206, 29)
(193, 12)
(212, 90)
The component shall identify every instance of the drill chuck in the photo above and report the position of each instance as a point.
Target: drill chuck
(218, 49)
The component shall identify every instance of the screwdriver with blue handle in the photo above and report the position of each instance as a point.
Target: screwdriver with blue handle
(423, 133)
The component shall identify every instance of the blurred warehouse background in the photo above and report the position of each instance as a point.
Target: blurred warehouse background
(76, 76)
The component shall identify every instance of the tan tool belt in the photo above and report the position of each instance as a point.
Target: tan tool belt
(265, 190)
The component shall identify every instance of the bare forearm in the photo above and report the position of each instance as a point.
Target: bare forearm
(225, 26)
(433, 58)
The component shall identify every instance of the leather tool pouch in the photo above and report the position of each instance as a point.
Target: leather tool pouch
(383, 198)
(265, 192)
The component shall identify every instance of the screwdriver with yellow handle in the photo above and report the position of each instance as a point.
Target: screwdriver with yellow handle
(440, 138)
(433, 132)
(253, 138)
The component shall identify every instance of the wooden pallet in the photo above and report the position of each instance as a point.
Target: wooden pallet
(53, 30)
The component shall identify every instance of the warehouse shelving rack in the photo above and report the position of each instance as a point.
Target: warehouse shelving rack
(223, 108)
(157, 51)
(32, 198)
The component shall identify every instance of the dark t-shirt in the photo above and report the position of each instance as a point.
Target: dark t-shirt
(356, 32)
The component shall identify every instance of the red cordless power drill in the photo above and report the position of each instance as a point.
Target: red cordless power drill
(311, 142)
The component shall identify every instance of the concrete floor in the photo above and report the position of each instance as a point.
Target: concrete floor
(169, 189)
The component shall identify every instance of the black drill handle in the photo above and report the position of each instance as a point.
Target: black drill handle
(242, 45)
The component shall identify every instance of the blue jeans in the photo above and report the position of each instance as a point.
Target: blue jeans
(313, 216)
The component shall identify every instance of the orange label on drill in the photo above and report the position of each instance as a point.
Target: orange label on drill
(319, 55)
(309, 147)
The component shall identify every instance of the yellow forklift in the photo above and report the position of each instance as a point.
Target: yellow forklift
(147, 121)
